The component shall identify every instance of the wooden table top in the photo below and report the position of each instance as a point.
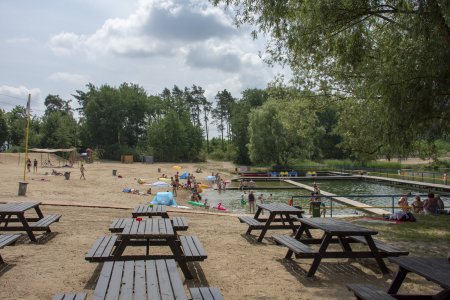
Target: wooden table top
(140, 279)
(148, 228)
(435, 269)
(147, 208)
(335, 226)
(279, 208)
(17, 207)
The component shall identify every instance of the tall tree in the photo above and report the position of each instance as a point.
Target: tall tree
(4, 132)
(394, 53)
(251, 98)
(222, 112)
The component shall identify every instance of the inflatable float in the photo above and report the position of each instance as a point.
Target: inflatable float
(193, 203)
(220, 207)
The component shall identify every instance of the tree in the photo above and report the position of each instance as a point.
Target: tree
(55, 103)
(282, 128)
(206, 108)
(175, 138)
(251, 98)
(4, 132)
(390, 54)
(222, 112)
(17, 120)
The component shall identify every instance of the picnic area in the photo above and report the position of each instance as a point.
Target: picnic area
(237, 264)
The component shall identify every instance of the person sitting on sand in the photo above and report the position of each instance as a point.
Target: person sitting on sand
(430, 206)
(56, 173)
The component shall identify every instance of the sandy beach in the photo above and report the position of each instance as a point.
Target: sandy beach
(240, 267)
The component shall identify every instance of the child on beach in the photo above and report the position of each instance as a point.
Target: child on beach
(82, 170)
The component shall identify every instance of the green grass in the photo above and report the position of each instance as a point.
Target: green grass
(429, 235)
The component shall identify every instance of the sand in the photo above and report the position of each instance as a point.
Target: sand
(240, 267)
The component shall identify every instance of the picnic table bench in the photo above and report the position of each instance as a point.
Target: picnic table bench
(278, 213)
(335, 231)
(149, 210)
(145, 279)
(435, 269)
(148, 232)
(178, 224)
(7, 240)
(14, 212)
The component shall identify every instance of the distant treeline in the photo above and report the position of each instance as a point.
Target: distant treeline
(277, 125)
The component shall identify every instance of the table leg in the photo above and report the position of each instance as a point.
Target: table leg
(376, 254)
(345, 245)
(180, 258)
(323, 248)
(26, 226)
(298, 235)
(291, 223)
(258, 212)
(121, 247)
(39, 212)
(398, 280)
(266, 226)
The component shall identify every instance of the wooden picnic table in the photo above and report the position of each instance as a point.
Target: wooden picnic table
(435, 269)
(149, 232)
(14, 212)
(149, 210)
(278, 213)
(334, 230)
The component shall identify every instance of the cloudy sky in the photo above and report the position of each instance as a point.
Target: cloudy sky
(57, 47)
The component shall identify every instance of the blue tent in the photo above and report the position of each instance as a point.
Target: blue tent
(184, 175)
(164, 198)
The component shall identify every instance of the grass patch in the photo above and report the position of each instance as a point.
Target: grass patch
(428, 236)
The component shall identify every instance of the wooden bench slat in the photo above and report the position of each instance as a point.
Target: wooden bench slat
(103, 281)
(175, 279)
(115, 281)
(126, 290)
(45, 222)
(152, 280)
(163, 276)
(381, 246)
(201, 293)
(8, 239)
(251, 221)
(70, 296)
(369, 292)
(102, 248)
(192, 248)
(295, 246)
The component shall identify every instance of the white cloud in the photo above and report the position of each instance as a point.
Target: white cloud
(70, 78)
(66, 43)
(155, 28)
(18, 95)
(22, 40)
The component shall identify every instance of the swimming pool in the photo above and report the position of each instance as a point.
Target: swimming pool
(231, 199)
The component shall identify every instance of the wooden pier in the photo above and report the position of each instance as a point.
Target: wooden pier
(411, 183)
(347, 201)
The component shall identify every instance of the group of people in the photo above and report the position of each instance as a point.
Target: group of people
(251, 198)
(432, 205)
(246, 184)
(35, 165)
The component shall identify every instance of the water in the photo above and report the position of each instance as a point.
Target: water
(232, 199)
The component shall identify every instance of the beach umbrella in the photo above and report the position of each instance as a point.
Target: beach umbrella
(177, 168)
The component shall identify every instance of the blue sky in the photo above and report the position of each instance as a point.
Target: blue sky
(57, 47)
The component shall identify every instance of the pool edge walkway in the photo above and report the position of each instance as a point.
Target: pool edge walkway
(350, 202)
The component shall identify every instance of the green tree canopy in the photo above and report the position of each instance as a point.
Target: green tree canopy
(393, 55)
